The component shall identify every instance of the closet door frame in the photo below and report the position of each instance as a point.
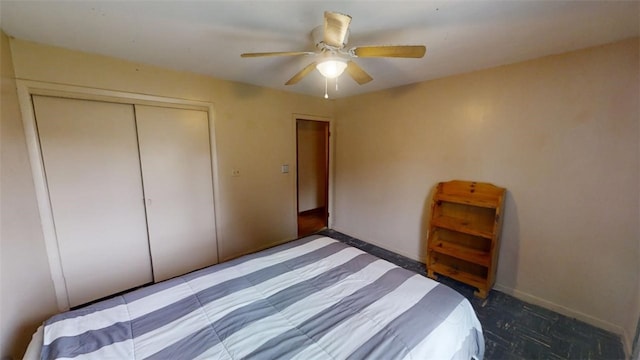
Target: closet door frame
(27, 88)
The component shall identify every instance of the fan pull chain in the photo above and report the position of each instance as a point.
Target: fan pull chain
(326, 95)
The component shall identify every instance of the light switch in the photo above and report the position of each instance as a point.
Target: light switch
(285, 168)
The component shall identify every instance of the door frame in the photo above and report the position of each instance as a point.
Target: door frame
(27, 88)
(330, 170)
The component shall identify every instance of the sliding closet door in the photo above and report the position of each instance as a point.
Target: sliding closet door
(176, 170)
(92, 168)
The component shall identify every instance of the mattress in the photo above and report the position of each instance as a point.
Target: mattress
(313, 298)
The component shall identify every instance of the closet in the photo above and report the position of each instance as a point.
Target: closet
(131, 192)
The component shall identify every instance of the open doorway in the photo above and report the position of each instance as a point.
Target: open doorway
(312, 157)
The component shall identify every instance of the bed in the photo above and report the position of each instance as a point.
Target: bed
(313, 298)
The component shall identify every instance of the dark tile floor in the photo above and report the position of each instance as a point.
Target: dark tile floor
(514, 329)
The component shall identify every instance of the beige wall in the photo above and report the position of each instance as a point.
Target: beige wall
(560, 133)
(255, 133)
(311, 165)
(26, 295)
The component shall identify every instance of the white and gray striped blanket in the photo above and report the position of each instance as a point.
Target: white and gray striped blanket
(313, 298)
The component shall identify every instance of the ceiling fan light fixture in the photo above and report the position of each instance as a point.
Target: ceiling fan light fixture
(332, 68)
(331, 40)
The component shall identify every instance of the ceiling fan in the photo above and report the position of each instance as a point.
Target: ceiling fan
(334, 58)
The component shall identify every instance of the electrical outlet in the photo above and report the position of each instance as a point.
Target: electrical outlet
(285, 169)
(235, 172)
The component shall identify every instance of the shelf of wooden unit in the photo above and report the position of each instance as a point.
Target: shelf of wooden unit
(461, 252)
(458, 199)
(464, 233)
(462, 225)
(456, 274)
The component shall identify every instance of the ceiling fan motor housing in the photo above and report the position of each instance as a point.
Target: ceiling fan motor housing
(317, 36)
(330, 40)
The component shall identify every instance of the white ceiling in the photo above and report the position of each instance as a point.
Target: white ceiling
(207, 37)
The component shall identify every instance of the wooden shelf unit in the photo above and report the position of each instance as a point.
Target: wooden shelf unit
(464, 233)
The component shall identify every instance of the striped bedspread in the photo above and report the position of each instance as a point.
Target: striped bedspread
(314, 298)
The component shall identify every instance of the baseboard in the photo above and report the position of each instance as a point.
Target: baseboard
(563, 310)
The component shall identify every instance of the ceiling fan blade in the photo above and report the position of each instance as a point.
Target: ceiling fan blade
(301, 74)
(356, 72)
(277, 53)
(402, 51)
(336, 26)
